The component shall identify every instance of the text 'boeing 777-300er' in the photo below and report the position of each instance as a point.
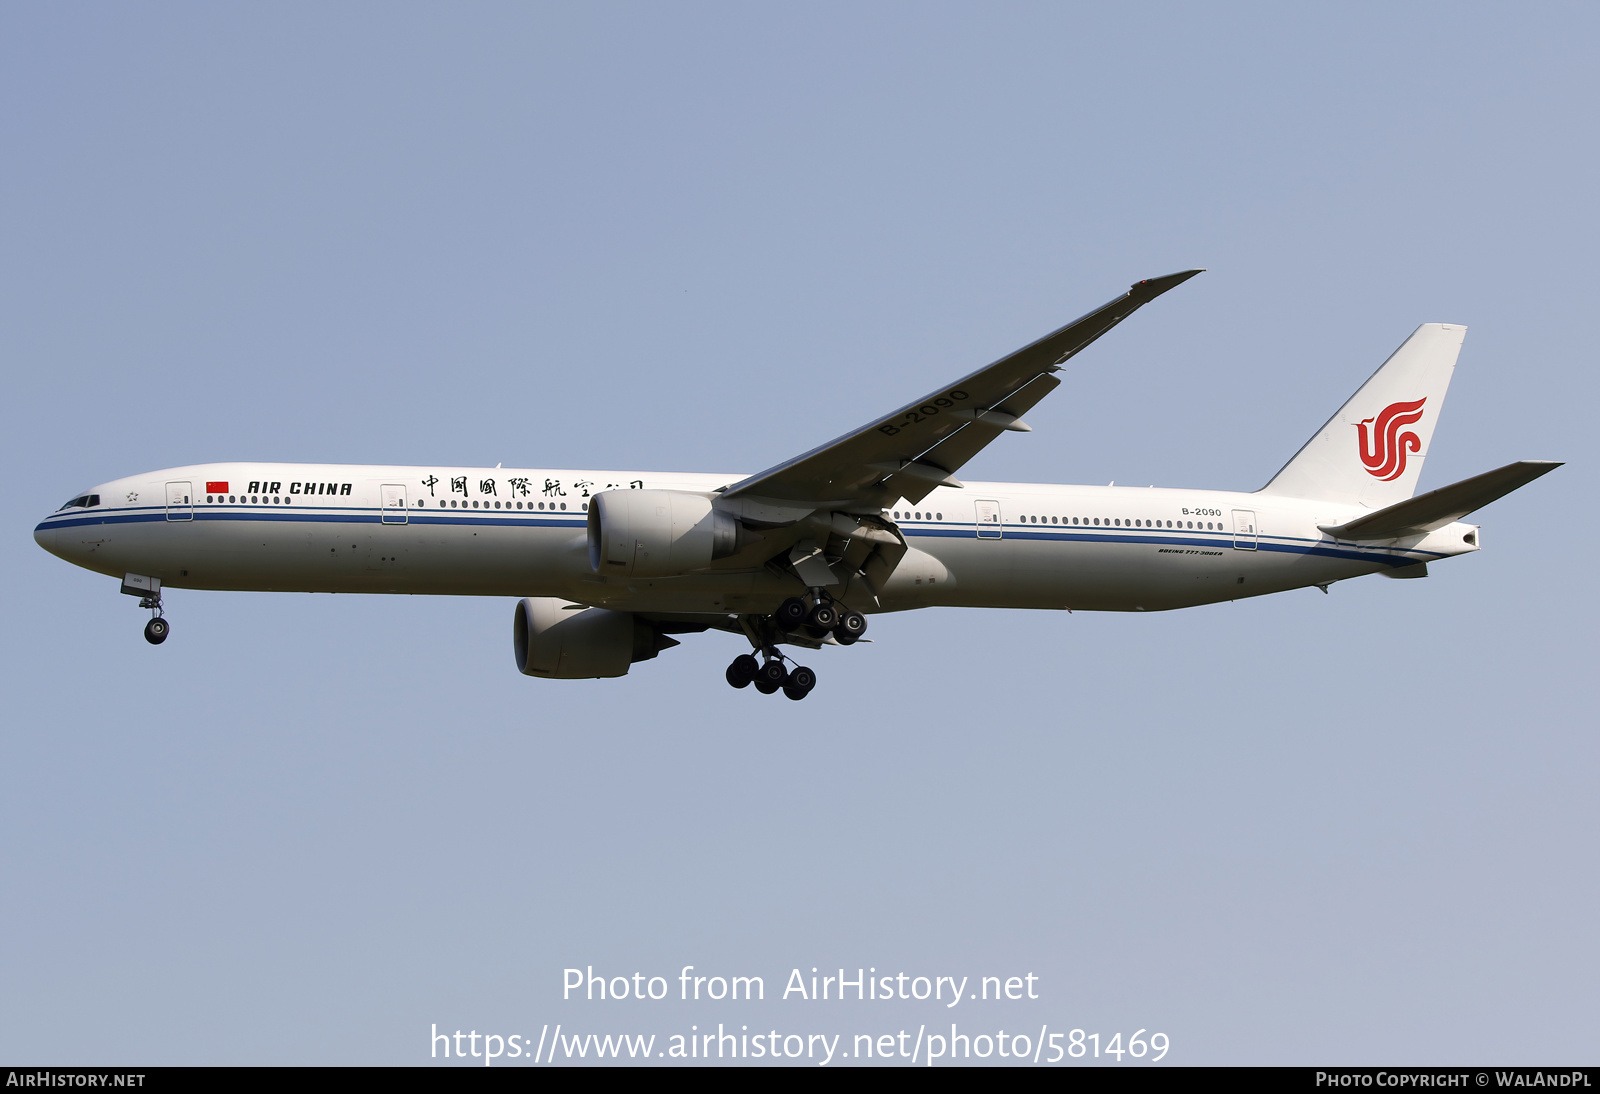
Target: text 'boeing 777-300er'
(610, 565)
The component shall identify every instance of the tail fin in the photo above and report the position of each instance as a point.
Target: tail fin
(1371, 452)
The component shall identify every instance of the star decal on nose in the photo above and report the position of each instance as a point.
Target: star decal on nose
(133, 495)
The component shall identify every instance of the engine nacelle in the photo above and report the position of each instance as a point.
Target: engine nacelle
(559, 641)
(657, 533)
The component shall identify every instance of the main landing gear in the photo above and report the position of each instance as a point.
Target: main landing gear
(819, 620)
(771, 675)
(810, 623)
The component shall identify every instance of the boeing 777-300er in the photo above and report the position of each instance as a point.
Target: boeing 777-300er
(611, 565)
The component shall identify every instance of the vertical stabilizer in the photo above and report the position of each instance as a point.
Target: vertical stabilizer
(1371, 452)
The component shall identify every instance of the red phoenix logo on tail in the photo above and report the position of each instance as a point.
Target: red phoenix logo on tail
(1384, 450)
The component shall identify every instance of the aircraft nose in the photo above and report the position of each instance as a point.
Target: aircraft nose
(45, 536)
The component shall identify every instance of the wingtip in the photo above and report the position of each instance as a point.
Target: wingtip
(1152, 287)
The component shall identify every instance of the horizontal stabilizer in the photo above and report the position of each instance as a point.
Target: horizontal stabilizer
(1416, 516)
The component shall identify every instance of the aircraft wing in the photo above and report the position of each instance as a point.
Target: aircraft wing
(921, 445)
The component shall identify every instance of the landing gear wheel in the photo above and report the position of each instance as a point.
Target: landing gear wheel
(765, 688)
(850, 628)
(801, 681)
(155, 631)
(791, 613)
(773, 674)
(822, 618)
(742, 671)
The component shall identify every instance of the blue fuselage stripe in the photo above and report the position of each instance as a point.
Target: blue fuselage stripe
(354, 515)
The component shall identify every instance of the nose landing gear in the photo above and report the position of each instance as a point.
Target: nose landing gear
(148, 590)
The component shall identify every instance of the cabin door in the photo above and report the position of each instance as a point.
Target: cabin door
(394, 505)
(1244, 530)
(988, 523)
(180, 501)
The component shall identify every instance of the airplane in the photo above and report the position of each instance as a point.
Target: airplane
(609, 566)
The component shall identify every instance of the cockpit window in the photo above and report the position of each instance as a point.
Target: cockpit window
(86, 501)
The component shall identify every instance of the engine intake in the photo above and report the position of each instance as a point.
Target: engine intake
(658, 533)
(557, 640)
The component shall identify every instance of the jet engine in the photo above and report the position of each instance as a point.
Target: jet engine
(561, 641)
(658, 533)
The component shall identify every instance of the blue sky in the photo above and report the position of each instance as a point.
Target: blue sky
(1357, 828)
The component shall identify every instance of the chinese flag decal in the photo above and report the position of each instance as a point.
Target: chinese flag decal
(216, 488)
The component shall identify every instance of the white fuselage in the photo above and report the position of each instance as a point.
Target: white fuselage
(517, 533)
